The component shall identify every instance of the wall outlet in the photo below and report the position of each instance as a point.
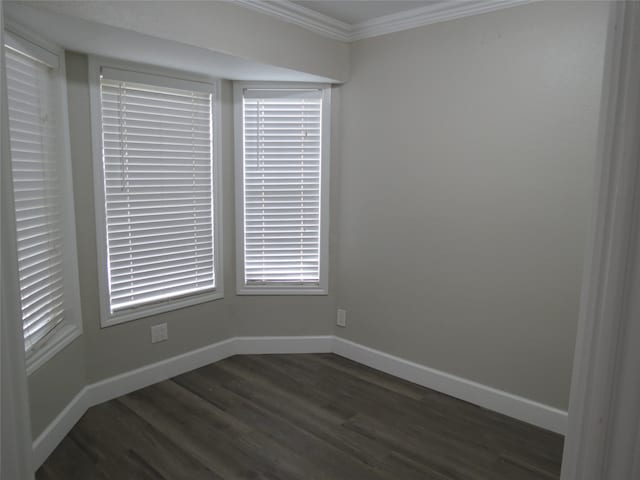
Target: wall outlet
(342, 318)
(159, 333)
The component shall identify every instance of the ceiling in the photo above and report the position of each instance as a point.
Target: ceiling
(352, 20)
(357, 11)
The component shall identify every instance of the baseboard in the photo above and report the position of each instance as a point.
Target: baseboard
(157, 372)
(303, 344)
(128, 382)
(105, 390)
(499, 401)
(49, 439)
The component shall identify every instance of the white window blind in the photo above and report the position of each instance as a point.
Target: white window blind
(35, 156)
(282, 176)
(158, 183)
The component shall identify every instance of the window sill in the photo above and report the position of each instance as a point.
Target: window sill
(280, 290)
(109, 320)
(50, 347)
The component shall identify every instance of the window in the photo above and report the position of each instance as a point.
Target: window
(282, 140)
(43, 202)
(156, 192)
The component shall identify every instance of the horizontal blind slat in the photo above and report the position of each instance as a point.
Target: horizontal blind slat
(157, 249)
(159, 295)
(175, 258)
(159, 237)
(142, 289)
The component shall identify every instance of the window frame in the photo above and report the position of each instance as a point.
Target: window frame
(23, 40)
(279, 288)
(169, 78)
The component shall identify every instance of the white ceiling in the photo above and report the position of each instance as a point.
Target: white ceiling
(352, 20)
(356, 11)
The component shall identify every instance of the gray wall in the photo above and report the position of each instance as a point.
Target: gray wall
(106, 352)
(220, 26)
(53, 385)
(462, 159)
(468, 150)
(123, 347)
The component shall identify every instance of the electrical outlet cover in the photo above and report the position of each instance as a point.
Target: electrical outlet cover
(342, 318)
(159, 333)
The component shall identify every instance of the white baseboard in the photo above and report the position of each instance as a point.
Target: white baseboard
(261, 345)
(49, 439)
(128, 382)
(487, 397)
(499, 401)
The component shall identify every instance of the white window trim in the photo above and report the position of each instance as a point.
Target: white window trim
(279, 289)
(71, 327)
(175, 78)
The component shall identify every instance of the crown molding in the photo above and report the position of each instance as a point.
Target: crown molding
(427, 15)
(338, 30)
(301, 16)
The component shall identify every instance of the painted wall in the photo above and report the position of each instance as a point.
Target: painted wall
(220, 26)
(105, 352)
(126, 346)
(54, 385)
(467, 158)
(462, 160)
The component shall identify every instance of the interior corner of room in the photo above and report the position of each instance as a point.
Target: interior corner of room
(447, 188)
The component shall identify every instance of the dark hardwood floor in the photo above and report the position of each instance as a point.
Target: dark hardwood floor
(301, 417)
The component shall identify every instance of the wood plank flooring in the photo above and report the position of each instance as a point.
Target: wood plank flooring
(303, 417)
